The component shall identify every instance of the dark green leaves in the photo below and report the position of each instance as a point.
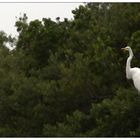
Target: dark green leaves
(67, 78)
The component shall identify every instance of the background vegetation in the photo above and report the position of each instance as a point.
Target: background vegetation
(67, 78)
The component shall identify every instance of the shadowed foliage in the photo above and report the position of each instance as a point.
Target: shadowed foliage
(67, 78)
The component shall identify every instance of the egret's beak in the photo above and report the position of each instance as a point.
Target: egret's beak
(124, 49)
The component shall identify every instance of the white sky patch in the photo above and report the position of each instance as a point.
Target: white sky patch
(9, 12)
(70, 1)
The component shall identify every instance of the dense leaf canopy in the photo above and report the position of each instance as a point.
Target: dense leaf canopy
(67, 78)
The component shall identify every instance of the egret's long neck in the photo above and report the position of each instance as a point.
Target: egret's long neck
(128, 64)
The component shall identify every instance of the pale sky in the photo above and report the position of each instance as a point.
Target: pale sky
(9, 12)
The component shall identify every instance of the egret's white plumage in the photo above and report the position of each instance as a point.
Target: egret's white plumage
(132, 73)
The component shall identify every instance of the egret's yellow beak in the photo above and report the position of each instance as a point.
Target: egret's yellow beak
(124, 49)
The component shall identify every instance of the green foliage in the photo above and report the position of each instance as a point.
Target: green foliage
(67, 78)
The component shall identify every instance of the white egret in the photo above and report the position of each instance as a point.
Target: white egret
(132, 73)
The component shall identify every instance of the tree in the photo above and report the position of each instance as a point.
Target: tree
(67, 78)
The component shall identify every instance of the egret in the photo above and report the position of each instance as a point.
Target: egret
(132, 73)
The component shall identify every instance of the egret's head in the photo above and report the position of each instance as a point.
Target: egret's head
(127, 48)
